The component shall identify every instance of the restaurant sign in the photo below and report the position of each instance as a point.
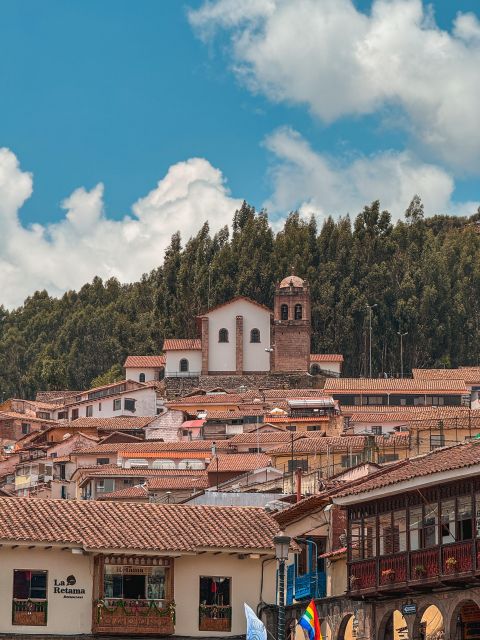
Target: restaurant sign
(68, 588)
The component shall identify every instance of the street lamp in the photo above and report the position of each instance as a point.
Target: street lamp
(402, 335)
(282, 546)
(370, 307)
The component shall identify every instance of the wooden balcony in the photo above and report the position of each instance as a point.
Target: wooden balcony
(420, 570)
(215, 618)
(133, 617)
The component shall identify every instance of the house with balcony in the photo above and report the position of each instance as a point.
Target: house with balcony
(413, 544)
(74, 568)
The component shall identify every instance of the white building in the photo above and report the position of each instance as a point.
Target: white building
(144, 368)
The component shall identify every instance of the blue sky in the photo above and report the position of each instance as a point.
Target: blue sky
(118, 93)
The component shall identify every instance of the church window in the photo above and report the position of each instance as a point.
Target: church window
(223, 335)
(284, 312)
(298, 312)
(183, 365)
(255, 335)
(141, 377)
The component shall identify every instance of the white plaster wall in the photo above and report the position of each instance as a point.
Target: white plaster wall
(387, 427)
(133, 373)
(221, 356)
(146, 405)
(66, 616)
(172, 361)
(245, 587)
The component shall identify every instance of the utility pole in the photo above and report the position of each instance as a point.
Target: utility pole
(370, 307)
(402, 335)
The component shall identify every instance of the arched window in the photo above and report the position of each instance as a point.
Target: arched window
(223, 335)
(298, 312)
(284, 312)
(141, 377)
(183, 365)
(255, 335)
(163, 464)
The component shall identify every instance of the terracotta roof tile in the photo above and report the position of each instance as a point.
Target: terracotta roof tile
(112, 424)
(239, 462)
(213, 398)
(234, 415)
(445, 459)
(293, 393)
(133, 362)
(154, 527)
(470, 375)
(326, 357)
(394, 385)
(153, 446)
(272, 436)
(124, 494)
(106, 470)
(181, 482)
(341, 443)
(182, 344)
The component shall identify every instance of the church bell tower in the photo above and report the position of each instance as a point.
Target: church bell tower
(291, 325)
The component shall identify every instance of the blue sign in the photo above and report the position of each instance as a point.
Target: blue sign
(409, 609)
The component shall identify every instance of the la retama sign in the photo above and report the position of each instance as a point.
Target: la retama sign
(67, 588)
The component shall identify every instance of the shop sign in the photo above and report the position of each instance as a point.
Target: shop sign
(409, 609)
(68, 588)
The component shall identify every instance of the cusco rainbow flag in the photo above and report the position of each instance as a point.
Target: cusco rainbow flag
(310, 622)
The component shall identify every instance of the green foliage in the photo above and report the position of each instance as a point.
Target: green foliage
(422, 273)
(114, 374)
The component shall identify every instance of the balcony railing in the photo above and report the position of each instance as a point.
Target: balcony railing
(310, 585)
(31, 613)
(457, 561)
(134, 617)
(215, 617)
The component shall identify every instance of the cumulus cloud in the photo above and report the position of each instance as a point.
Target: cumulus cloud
(86, 242)
(315, 183)
(339, 61)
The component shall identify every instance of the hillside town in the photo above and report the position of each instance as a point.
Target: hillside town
(235, 466)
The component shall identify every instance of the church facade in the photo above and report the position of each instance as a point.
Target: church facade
(242, 337)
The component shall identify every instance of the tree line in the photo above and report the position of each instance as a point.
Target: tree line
(423, 275)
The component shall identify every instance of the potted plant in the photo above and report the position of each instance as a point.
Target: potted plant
(450, 564)
(419, 570)
(388, 575)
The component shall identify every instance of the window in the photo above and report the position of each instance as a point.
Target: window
(63, 415)
(29, 585)
(163, 464)
(74, 414)
(141, 377)
(62, 471)
(135, 583)
(291, 427)
(105, 485)
(374, 400)
(102, 461)
(352, 460)
(315, 370)
(223, 335)
(437, 441)
(89, 411)
(117, 404)
(183, 365)
(99, 406)
(298, 312)
(284, 312)
(357, 400)
(293, 465)
(436, 401)
(377, 429)
(191, 464)
(25, 428)
(137, 463)
(255, 335)
(215, 604)
(314, 427)
(387, 457)
(63, 492)
(129, 404)
(255, 450)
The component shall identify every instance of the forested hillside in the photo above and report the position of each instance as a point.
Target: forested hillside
(423, 273)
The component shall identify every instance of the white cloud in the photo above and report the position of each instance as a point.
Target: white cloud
(315, 183)
(86, 243)
(339, 61)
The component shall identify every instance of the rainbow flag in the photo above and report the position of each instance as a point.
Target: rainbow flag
(310, 622)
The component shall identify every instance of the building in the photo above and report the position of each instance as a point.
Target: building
(470, 375)
(145, 368)
(413, 545)
(398, 392)
(83, 568)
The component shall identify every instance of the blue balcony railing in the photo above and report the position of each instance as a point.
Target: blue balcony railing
(308, 585)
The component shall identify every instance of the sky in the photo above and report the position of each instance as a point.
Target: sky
(121, 122)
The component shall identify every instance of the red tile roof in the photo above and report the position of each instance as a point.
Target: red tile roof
(107, 470)
(293, 393)
(212, 398)
(182, 344)
(239, 462)
(112, 424)
(470, 375)
(234, 415)
(405, 412)
(394, 385)
(172, 483)
(125, 494)
(270, 436)
(326, 357)
(445, 459)
(94, 525)
(134, 362)
(225, 304)
(153, 446)
(342, 443)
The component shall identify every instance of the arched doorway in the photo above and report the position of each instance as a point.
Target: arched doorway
(432, 624)
(347, 630)
(465, 622)
(393, 627)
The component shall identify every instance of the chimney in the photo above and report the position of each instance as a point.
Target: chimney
(298, 474)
